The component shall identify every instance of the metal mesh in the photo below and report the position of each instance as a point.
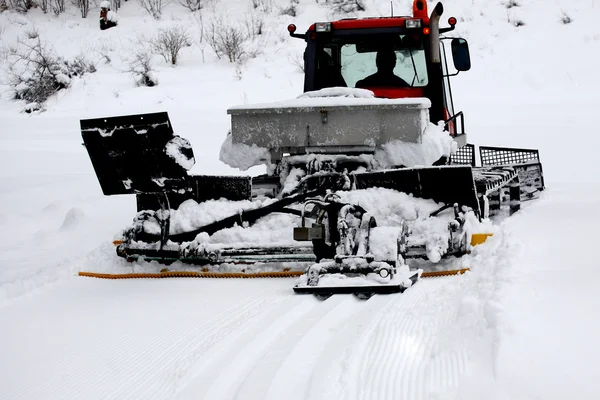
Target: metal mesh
(507, 156)
(464, 156)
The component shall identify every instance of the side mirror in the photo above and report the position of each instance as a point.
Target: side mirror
(460, 54)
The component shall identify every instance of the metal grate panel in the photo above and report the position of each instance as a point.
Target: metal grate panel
(464, 156)
(507, 156)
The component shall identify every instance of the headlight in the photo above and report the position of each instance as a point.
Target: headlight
(323, 27)
(412, 23)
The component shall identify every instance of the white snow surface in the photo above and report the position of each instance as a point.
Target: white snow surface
(520, 325)
(355, 97)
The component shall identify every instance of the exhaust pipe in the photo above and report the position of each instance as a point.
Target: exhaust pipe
(434, 34)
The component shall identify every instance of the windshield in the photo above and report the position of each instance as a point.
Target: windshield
(390, 60)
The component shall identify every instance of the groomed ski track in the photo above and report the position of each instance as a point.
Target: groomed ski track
(235, 340)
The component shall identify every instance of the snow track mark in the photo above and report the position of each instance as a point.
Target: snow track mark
(401, 356)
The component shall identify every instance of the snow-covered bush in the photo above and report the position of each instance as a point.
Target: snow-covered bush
(565, 18)
(169, 42)
(32, 33)
(140, 67)
(341, 7)
(36, 72)
(266, 6)
(153, 7)
(229, 40)
(255, 25)
(291, 9)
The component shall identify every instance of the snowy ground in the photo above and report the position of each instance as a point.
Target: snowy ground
(520, 326)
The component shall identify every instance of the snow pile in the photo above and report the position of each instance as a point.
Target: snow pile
(388, 206)
(436, 142)
(272, 230)
(292, 180)
(339, 92)
(242, 156)
(383, 242)
(190, 215)
(180, 150)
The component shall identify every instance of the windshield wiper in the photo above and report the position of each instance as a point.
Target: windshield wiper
(414, 68)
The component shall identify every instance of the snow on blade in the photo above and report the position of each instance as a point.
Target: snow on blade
(242, 156)
(436, 143)
(177, 148)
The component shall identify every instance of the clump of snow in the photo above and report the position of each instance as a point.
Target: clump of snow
(292, 180)
(190, 215)
(339, 92)
(63, 79)
(388, 206)
(178, 149)
(112, 16)
(274, 229)
(383, 242)
(436, 142)
(242, 156)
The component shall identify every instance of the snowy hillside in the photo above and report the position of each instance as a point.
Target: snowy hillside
(520, 325)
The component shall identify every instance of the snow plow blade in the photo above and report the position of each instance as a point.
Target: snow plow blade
(366, 290)
(140, 154)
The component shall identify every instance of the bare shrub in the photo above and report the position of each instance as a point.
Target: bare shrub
(298, 61)
(255, 25)
(518, 23)
(227, 40)
(58, 6)
(36, 72)
(200, 38)
(21, 6)
(346, 6)
(266, 6)
(84, 7)
(169, 42)
(32, 33)
(512, 3)
(140, 67)
(154, 7)
(193, 5)
(565, 18)
(44, 5)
